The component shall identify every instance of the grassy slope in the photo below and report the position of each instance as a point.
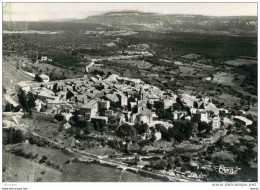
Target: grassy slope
(19, 169)
(10, 73)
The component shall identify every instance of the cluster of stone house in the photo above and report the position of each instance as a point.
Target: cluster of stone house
(92, 95)
(96, 98)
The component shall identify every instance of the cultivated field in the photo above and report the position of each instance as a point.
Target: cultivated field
(238, 62)
(223, 78)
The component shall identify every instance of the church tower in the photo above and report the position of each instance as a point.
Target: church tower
(141, 94)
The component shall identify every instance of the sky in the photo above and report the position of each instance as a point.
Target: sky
(56, 11)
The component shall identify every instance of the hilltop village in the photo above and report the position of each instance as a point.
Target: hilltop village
(142, 127)
(146, 102)
(130, 100)
(130, 111)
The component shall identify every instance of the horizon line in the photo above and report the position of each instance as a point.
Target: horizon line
(130, 11)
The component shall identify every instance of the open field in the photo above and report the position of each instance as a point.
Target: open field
(101, 151)
(223, 78)
(11, 76)
(227, 99)
(238, 62)
(134, 63)
(55, 156)
(68, 73)
(43, 125)
(76, 172)
(18, 169)
(187, 70)
(26, 170)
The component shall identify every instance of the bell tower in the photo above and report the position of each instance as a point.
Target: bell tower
(141, 94)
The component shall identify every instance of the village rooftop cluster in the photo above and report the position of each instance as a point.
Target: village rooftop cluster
(130, 100)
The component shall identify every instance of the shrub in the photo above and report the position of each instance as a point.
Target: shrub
(143, 143)
(141, 128)
(39, 179)
(43, 159)
(76, 160)
(128, 131)
(114, 144)
(67, 162)
(12, 136)
(42, 109)
(20, 152)
(59, 117)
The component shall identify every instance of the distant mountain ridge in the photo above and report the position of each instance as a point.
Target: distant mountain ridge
(148, 21)
(240, 24)
(128, 13)
(153, 17)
